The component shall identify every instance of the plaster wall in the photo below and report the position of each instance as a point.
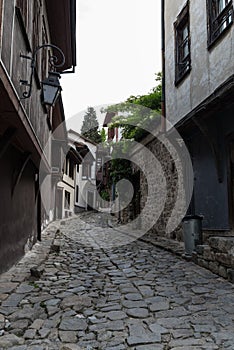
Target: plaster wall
(70, 189)
(68, 180)
(85, 185)
(210, 68)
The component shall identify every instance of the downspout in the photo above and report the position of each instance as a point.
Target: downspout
(163, 98)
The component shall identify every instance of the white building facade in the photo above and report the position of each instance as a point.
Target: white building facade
(85, 177)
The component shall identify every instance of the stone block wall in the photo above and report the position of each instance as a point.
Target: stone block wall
(217, 252)
(218, 256)
(170, 175)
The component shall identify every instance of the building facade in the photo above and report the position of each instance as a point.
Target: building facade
(65, 192)
(85, 178)
(26, 124)
(113, 134)
(199, 85)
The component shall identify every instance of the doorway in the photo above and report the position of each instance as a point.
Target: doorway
(90, 198)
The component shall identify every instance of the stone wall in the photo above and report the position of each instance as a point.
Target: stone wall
(216, 253)
(171, 176)
(218, 256)
(165, 181)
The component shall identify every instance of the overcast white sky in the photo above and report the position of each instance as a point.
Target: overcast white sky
(118, 52)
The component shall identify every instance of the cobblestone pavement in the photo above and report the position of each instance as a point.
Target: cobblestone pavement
(129, 297)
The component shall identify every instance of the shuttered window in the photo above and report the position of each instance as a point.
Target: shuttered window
(182, 45)
(220, 18)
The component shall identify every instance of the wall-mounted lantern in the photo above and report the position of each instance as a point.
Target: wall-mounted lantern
(51, 88)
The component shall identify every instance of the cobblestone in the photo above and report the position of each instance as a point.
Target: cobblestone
(135, 296)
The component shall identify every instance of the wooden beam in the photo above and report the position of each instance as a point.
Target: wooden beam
(25, 159)
(6, 140)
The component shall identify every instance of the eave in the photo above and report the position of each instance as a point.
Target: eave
(221, 97)
(62, 24)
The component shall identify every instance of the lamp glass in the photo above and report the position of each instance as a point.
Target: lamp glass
(49, 94)
(51, 89)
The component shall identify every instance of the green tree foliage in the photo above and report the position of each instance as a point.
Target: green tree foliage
(138, 114)
(120, 167)
(103, 135)
(136, 117)
(90, 126)
(151, 100)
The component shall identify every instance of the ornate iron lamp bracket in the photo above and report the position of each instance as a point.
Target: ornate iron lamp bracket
(53, 61)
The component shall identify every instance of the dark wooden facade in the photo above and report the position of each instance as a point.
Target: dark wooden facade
(25, 126)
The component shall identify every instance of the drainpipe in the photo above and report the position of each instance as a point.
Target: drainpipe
(163, 98)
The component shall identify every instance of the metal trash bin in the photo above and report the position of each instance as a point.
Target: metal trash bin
(192, 232)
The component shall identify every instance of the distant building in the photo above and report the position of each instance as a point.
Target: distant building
(85, 178)
(65, 195)
(113, 134)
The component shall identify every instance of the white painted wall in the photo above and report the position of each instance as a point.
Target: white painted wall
(210, 68)
(68, 185)
(66, 212)
(85, 185)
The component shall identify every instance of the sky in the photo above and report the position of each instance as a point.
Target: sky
(118, 53)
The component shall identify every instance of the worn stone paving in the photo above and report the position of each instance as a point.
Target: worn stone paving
(134, 296)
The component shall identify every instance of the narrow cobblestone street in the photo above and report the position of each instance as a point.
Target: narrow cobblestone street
(135, 296)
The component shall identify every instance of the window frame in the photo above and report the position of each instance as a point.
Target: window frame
(66, 165)
(21, 12)
(22, 5)
(182, 63)
(67, 200)
(71, 169)
(77, 193)
(217, 20)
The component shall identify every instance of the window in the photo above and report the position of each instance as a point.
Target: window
(67, 200)
(77, 194)
(220, 18)
(21, 11)
(66, 165)
(182, 45)
(44, 53)
(36, 25)
(99, 164)
(71, 169)
(23, 6)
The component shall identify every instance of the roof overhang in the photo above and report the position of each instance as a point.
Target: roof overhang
(62, 24)
(222, 96)
(74, 155)
(108, 118)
